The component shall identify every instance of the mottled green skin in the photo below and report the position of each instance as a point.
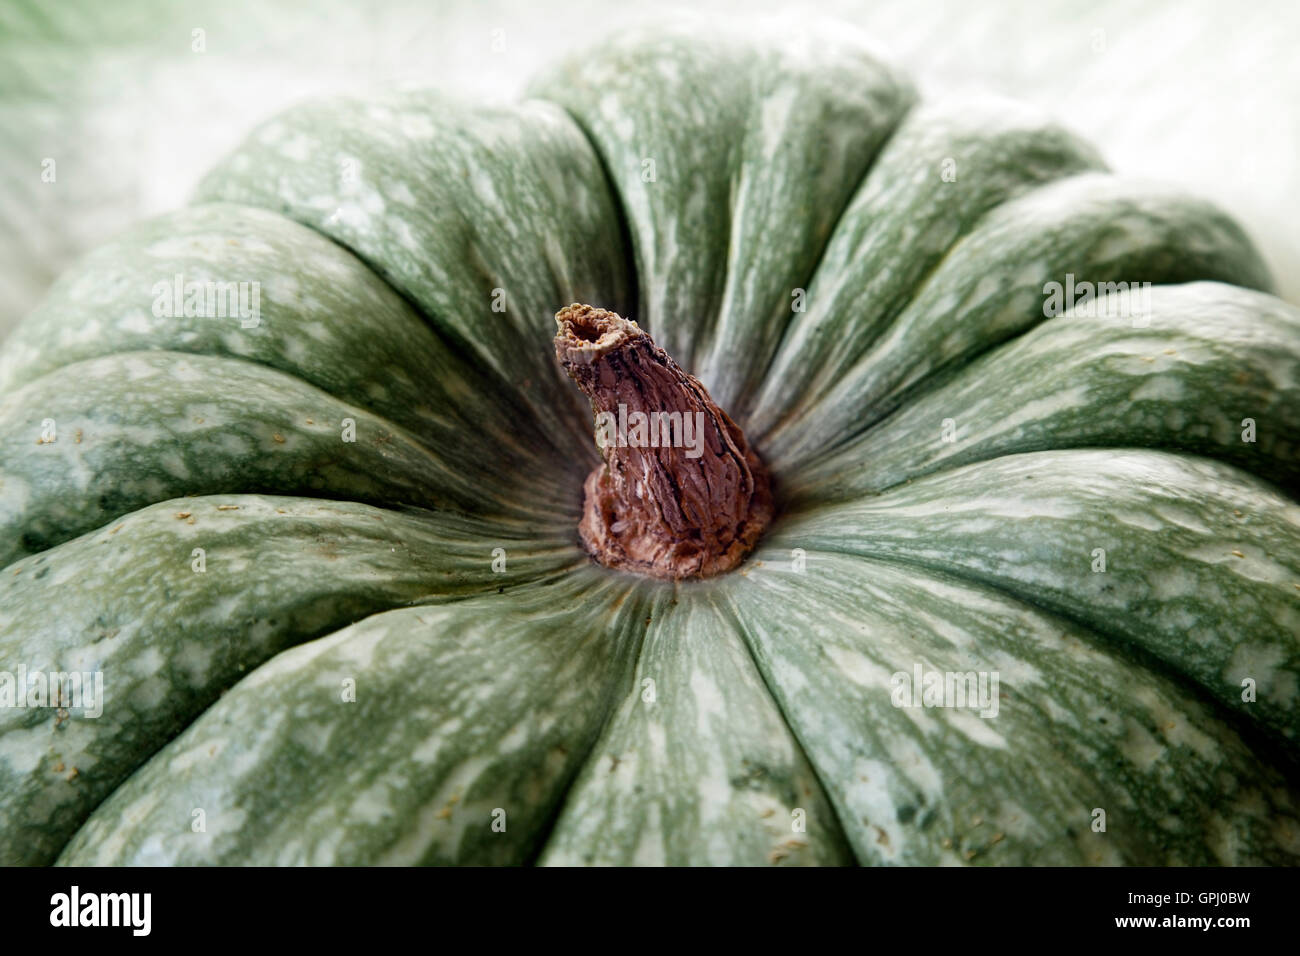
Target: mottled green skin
(145, 426)
(910, 209)
(450, 202)
(989, 287)
(1080, 726)
(459, 710)
(317, 304)
(757, 147)
(1204, 358)
(697, 766)
(169, 638)
(357, 678)
(1202, 560)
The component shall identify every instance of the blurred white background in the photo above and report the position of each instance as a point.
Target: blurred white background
(1206, 94)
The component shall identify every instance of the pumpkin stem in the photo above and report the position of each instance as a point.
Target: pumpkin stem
(680, 493)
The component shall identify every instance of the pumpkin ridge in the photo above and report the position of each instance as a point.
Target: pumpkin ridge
(456, 345)
(1090, 601)
(427, 669)
(656, 603)
(1069, 154)
(1222, 329)
(746, 398)
(293, 543)
(285, 246)
(610, 818)
(803, 111)
(1113, 642)
(1181, 239)
(796, 726)
(1027, 658)
(630, 271)
(427, 478)
(535, 196)
(726, 602)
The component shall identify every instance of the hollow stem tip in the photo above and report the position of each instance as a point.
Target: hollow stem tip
(680, 493)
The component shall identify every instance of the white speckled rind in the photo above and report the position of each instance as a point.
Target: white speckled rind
(461, 710)
(141, 427)
(697, 766)
(1078, 727)
(910, 209)
(1202, 561)
(756, 148)
(1205, 358)
(323, 316)
(990, 287)
(488, 218)
(127, 602)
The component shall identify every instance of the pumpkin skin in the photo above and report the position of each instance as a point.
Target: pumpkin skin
(611, 718)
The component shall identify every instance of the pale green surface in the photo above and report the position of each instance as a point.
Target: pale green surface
(1079, 726)
(484, 218)
(443, 731)
(128, 601)
(315, 302)
(902, 223)
(1182, 371)
(989, 287)
(725, 228)
(696, 767)
(1201, 559)
(141, 427)
(523, 691)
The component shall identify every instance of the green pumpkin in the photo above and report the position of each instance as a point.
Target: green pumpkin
(326, 559)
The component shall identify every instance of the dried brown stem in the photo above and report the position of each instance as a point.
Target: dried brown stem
(680, 493)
